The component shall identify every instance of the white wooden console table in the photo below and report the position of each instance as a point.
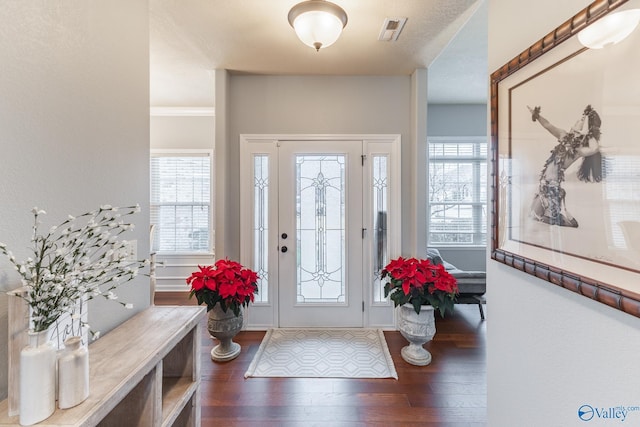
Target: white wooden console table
(145, 372)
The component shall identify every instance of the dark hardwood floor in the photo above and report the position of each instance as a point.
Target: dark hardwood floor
(451, 391)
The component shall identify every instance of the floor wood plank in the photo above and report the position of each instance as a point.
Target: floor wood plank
(449, 392)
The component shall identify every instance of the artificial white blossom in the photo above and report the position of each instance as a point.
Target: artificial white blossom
(81, 257)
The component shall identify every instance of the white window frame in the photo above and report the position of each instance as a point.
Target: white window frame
(479, 238)
(190, 152)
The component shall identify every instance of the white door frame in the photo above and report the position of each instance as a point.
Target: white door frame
(263, 314)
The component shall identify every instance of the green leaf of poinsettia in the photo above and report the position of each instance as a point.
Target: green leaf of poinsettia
(417, 305)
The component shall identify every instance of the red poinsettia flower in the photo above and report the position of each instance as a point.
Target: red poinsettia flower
(418, 282)
(227, 289)
(198, 280)
(226, 282)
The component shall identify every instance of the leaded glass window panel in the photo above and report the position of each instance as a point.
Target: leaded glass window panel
(379, 193)
(261, 225)
(320, 221)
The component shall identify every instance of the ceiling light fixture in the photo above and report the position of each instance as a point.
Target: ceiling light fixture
(609, 30)
(318, 23)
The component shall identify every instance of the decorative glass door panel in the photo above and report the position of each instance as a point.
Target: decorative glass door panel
(320, 226)
(261, 225)
(380, 208)
(320, 196)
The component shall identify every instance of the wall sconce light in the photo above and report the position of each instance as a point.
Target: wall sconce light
(318, 23)
(611, 29)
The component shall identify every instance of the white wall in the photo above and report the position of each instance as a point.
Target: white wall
(457, 119)
(550, 350)
(309, 105)
(222, 211)
(182, 132)
(74, 128)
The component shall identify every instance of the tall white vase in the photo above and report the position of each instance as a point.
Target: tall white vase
(37, 379)
(73, 373)
(418, 329)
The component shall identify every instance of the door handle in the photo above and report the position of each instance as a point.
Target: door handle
(284, 249)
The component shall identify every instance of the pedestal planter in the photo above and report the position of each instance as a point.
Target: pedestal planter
(224, 326)
(418, 329)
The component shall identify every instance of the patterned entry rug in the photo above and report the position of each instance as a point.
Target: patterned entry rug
(323, 353)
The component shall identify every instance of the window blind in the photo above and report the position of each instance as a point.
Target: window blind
(181, 202)
(621, 194)
(457, 190)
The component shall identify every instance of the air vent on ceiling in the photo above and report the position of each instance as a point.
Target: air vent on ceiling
(391, 29)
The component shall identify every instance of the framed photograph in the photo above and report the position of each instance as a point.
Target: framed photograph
(565, 119)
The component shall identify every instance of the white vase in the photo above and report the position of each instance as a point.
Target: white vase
(73, 373)
(418, 329)
(224, 326)
(37, 379)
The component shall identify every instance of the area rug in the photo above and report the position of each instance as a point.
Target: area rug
(323, 353)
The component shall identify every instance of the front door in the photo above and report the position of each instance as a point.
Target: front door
(320, 233)
(319, 218)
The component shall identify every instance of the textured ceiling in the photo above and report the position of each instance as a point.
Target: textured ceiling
(460, 73)
(190, 38)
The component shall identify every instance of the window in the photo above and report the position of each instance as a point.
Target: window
(457, 191)
(181, 210)
(261, 225)
(621, 190)
(380, 208)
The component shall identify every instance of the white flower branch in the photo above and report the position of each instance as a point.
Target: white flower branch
(81, 257)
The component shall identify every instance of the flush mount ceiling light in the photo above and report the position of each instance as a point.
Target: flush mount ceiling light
(609, 30)
(318, 23)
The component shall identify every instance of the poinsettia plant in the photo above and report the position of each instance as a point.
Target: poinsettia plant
(419, 282)
(227, 283)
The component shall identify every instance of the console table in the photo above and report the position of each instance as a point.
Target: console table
(145, 372)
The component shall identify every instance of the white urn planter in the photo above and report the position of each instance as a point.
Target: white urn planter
(224, 326)
(418, 329)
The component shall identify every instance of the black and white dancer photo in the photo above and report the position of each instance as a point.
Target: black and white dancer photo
(549, 203)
